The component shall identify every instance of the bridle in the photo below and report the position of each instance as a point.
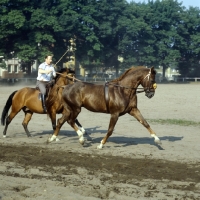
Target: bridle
(135, 88)
(149, 85)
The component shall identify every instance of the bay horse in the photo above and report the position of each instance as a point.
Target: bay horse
(116, 98)
(28, 99)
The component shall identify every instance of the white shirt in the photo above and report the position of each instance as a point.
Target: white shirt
(43, 76)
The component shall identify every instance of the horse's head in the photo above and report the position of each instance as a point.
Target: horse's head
(149, 82)
(65, 76)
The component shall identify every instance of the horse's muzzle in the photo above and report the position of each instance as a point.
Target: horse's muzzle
(149, 93)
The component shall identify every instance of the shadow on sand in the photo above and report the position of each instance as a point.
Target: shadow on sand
(119, 140)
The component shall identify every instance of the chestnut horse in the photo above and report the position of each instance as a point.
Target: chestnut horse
(116, 97)
(28, 100)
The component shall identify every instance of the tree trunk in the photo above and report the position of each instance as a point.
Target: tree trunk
(163, 72)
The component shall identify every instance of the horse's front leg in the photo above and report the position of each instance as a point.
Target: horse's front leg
(60, 122)
(136, 113)
(52, 116)
(113, 121)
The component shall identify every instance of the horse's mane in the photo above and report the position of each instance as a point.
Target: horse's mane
(126, 72)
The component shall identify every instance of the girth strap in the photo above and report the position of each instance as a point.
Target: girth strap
(106, 94)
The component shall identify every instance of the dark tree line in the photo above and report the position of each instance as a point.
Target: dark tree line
(159, 33)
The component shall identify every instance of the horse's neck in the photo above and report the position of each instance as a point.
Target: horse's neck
(60, 82)
(131, 80)
(53, 93)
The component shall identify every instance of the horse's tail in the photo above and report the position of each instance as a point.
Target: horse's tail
(6, 108)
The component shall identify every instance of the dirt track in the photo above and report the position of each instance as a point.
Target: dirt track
(130, 166)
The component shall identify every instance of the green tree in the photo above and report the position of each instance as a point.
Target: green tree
(189, 45)
(25, 24)
(138, 39)
(164, 21)
(157, 33)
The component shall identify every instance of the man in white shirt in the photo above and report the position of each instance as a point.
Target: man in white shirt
(45, 73)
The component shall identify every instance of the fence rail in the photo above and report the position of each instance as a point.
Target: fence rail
(187, 79)
(86, 79)
(17, 80)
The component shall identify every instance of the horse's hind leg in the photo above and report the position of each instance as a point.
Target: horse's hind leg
(136, 113)
(27, 118)
(83, 130)
(8, 121)
(6, 126)
(71, 122)
(80, 126)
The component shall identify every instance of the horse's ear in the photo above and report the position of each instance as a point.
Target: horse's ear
(152, 69)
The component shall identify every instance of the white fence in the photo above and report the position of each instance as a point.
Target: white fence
(95, 80)
(187, 79)
(17, 80)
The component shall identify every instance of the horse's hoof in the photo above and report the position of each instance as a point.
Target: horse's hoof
(4, 136)
(99, 147)
(57, 139)
(82, 140)
(51, 139)
(157, 141)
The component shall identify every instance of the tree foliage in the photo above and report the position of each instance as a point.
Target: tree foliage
(157, 33)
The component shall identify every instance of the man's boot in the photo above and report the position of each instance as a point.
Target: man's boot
(43, 103)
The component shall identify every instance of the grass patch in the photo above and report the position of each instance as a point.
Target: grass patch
(179, 122)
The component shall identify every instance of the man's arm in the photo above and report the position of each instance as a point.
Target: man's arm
(42, 71)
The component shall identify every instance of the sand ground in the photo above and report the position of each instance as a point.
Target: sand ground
(130, 166)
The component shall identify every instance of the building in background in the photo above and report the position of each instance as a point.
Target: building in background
(12, 69)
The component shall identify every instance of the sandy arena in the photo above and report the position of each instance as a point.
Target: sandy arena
(130, 166)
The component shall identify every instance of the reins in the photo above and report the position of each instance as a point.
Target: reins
(73, 78)
(108, 83)
(130, 88)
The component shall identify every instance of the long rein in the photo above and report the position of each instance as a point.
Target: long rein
(132, 88)
(107, 83)
(117, 85)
